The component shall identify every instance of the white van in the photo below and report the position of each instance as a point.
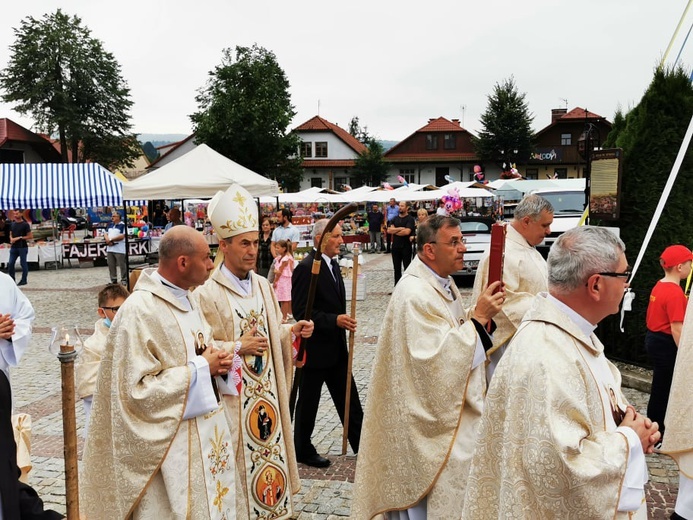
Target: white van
(568, 206)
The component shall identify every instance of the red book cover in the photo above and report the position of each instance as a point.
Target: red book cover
(497, 253)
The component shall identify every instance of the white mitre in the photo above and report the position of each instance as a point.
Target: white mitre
(233, 212)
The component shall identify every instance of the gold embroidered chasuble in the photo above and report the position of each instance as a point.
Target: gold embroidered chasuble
(678, 441)
(524, 276)
(267, 474)
(424, 403)
(547, 443)
(142, 459)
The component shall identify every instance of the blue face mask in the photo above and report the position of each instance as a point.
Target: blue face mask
(107, 322)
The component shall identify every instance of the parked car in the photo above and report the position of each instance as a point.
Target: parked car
(477, 232)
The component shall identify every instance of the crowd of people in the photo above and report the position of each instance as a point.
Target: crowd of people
(505, 409)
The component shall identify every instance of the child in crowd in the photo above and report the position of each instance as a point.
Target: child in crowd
(283, 271)
(110, 299)
(664, 320)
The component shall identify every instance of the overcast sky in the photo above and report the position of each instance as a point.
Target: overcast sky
(394, 64)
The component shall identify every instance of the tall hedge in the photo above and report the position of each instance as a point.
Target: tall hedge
(650, 137)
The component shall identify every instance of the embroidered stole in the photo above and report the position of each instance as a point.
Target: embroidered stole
(263, 441)
(207, 436)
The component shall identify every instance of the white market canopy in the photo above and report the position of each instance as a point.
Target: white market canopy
(44, 185)
(199, 173)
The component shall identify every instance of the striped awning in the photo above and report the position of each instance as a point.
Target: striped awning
(35, 186)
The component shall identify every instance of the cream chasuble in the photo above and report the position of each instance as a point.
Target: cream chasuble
(678, 441)
(143, 458)
(424, 403)
(267, 474)
(524, 276)
(548, 445)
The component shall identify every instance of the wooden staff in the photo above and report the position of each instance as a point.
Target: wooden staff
(67, 357)
(350, 362)
(315, 272)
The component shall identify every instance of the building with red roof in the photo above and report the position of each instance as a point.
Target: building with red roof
(440, 148)
(20, 145)
(329, 153)
(556, 145)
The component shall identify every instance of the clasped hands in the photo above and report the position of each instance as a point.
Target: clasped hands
(6, 326)
(219, 360)
(647, 430)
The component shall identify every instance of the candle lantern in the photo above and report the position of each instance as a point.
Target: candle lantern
(67, 344)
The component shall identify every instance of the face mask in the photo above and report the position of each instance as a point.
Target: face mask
(107, 322)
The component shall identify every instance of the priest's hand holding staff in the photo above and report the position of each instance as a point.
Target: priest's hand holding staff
(488, 304)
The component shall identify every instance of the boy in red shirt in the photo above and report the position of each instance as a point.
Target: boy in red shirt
(665, 314)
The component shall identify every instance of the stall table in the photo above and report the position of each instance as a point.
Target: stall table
(39, 255)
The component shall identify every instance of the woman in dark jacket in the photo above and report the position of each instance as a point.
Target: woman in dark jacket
(264, 255)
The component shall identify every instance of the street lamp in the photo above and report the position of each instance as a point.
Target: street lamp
(589, 140)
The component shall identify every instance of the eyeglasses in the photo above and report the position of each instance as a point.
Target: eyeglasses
(454, 243)
(114, 309)
(625, 274)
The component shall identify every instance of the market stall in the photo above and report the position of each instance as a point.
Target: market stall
(51, 186)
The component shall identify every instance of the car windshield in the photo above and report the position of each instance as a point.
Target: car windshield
(566, 202)
(475, 227)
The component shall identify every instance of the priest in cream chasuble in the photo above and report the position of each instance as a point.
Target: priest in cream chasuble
(427, 388)
(246, 319)
(159, 444)
(678, 441)
(524, 270)
(557, 438)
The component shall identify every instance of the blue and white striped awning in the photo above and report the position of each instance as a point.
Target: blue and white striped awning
(34, 186)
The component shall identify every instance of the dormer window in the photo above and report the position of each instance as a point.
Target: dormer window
(431, 142)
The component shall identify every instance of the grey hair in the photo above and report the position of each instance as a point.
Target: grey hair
(532, 206)
(428, 229)
(581, 252)
(319, 227)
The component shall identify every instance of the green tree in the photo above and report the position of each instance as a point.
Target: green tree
(244, 112)
(650, 136)
(359, 133)
(370, 168)
(65, 79)
(507, 126)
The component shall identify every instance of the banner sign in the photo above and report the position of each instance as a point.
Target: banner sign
(89, 250)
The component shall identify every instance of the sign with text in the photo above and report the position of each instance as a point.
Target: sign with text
(547, 154)
(89, 250)
(605, 184)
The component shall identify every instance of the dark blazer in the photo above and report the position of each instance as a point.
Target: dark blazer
(18, 500)
(328, 343)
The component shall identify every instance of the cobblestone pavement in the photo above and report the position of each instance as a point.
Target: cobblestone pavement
(68, 297)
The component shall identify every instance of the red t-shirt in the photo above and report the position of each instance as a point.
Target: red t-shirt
(667, 305)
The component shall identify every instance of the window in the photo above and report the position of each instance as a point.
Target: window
(306, 149)
(316, 182)
(560, 173)
(339, 182)
(449, 141)
(431, 142)
(408, 174)
(321, 149)
(532, 173)
(566, 139)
